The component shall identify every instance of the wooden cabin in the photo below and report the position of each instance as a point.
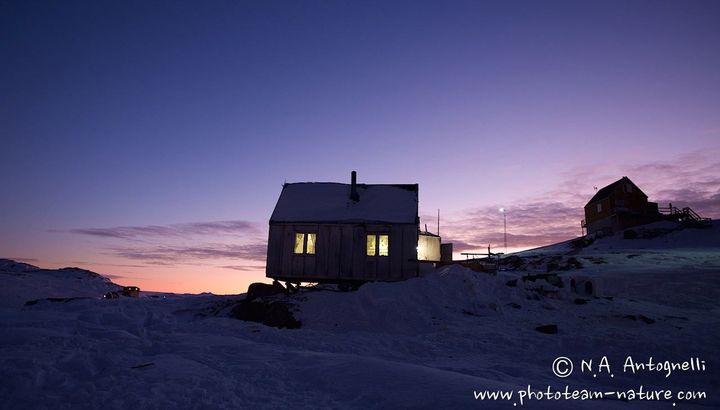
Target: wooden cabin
(618, 206)
(327, 232)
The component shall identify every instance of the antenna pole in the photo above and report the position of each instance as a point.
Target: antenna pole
(438, 221)
(505, 230)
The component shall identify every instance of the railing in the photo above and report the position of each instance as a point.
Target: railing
(684, 214)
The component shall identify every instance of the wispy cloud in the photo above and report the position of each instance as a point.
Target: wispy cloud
(116, 265)
(528, 225)
(690, 180)
(173, 230)
(113, 277)
(197, 243)
(24, 260)
(244, 268)
(710, 131)
(171, 254)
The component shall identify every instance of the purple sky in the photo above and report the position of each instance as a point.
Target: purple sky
(149, 140)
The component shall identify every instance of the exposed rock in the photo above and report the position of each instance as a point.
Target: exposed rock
(596, 260)
(261, 290)
(547, 329)
(630, 234)
(582, 242)
(573, 263)
(646, 319)
(555, 281)
(551, 278)
(275, 314)
(63, 300)
(513, 261)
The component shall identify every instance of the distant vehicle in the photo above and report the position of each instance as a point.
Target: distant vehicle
(111, 295)
(131, 291)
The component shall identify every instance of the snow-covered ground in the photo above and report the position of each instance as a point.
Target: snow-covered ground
(431, 342)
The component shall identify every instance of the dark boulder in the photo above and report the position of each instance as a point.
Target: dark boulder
(630, 234)
(646, 319)
(513, 261)
(261, 290)
(573, 263)
(547, 329)
(275, 314)
(582, 242)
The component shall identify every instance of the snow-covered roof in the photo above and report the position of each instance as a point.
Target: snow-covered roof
(330, 202)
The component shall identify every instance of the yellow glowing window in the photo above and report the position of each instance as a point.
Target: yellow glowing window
(378, 245)
(383, 245)
(299, 242)
(371, 241)
(310, 248)
(305, 243)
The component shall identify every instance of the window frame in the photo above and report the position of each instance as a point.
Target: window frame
(305, 240)
(376, 250)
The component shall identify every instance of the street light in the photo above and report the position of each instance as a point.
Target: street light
(504, 227)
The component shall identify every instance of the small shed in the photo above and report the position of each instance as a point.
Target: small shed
(618, 206)
(327, 232)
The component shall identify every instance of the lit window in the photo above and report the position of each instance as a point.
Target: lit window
(310, 249)
(599, 208)
(371, 239)
(378, 245)
(305, 243)
(383, 245)
(299, 242)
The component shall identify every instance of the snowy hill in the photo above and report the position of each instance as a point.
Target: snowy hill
(666, 262)
(22, 283)
(430, 342)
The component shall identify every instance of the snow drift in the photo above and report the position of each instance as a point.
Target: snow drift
(429, 342)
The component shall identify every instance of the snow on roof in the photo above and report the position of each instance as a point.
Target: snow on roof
(330, 202)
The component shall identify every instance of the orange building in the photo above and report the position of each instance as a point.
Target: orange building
(618, 206)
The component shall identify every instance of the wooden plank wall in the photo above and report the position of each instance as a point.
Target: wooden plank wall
(341, 252)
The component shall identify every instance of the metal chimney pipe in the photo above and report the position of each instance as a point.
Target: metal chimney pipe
(353, 187)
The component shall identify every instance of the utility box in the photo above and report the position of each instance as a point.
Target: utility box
(446, 253)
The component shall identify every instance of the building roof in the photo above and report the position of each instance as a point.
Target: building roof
(608, 190)
(330, 202)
